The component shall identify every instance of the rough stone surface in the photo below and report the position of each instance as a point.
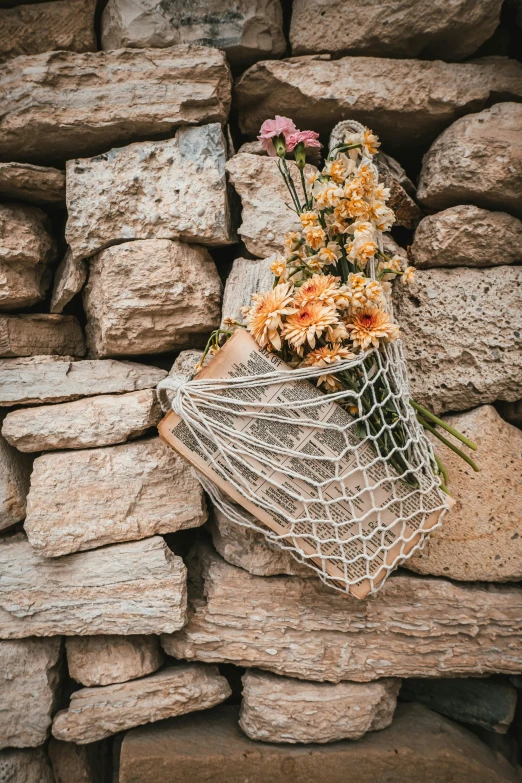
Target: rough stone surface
(134, 588)
(25, 766)
(150, 190)
(40, 379)
(96, 713)
(90, 498)
(480, 539)
(26, 248)
(184, 368)
(150, 297)
(489, 703)
(264, 198)
(246, 277)
(69, 279)
(15, 470)
(478, 159)
(393, 176)
(406, 29)
(250, 550)
(105, 660)
(46, 27)
(467, 236)
(280, 709)
(59, 105)
(34, 184)
(301, 628)
(39, 334)
(247, 31)
(29, 678)
(317, 93)
(419, 746)
(94, 421)
(79, 763)
(461, 330)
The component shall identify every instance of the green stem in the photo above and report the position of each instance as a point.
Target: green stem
(447, 443)
(289, 187)
(442, 469)
(303, 185)
(292, 185)
(342, 148)
(456, 434)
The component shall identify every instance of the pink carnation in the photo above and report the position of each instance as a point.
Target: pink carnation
(310, 139)
(281, 126)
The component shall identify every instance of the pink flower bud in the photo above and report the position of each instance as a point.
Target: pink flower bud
(308, 138)
(281, 126)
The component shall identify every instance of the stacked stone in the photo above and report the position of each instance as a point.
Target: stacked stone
(104, 627)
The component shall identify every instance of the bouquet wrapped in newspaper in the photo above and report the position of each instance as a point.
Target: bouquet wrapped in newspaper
(300, 423)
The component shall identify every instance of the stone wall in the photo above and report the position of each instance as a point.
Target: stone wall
(137, 211)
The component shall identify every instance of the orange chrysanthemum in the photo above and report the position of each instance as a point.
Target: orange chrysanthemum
(326, 357)
(264, 318)
(369, 325)
(307, 324)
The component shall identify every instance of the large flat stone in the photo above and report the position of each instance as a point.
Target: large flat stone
(34, 184)
(134, 588)
(476, 160)
(280, 709)
(317, 92)
(69, 280)
(432, 30)
(299, 627)
(105, 660)
(46, 27)
(150, 297)
(489, 703)
(245, 31)
(15, 470)
(86, 499)
(29, 679)
(41, 379)
(150, 190)
(83, 424)
(460, 329)
(40, 334)
(467, 236)
(481, 537)
(26, 249)
(96, 713)
(266, 218)
(25, 766)
(80, 763)
(419, 746)
(60, 105)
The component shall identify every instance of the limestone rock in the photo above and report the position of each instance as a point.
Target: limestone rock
(301, 628)
(134, 588)
(481, 538)
(34, 184)
(105, 660)
(246, 277)
(478, 159)
(246, 31)
(94, 421)
(489, 703)
(29, 678)
(80, 763)
(96, 713)
(280, 709)
(49, 111)
(15, 470)
(46, 27)
(184, 368)
(40, 334)
(432, 30)
(244, 547)
(460, 329)
(69, 279)
(40, 379)
(407, 213)
(25, 766)
(467, 236)
(90, 498)
(26, 248)
(150, 297)
(150, 190)
(419, 746)
(317, 92)
(264, 198)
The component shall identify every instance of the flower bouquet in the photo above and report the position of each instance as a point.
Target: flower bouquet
(303, 416)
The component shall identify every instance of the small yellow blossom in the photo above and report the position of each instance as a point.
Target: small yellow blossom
(326, 194)
(408, 276)
(370, 142)
(309, 219)
(315, 237)
(330, 254)
(278, 268)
